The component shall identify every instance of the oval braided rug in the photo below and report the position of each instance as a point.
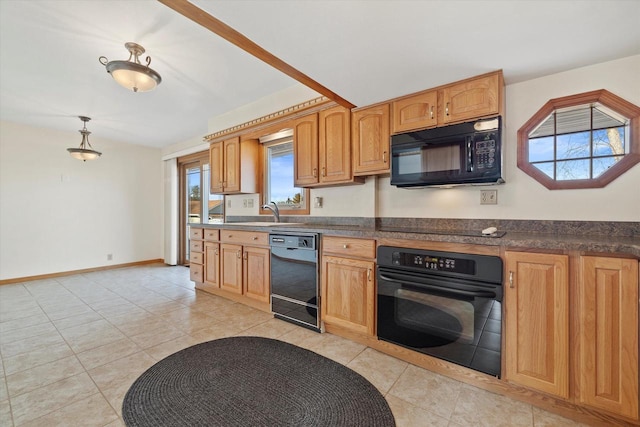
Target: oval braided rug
(252, 381)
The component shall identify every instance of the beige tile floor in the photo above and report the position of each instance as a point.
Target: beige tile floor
(71, 347)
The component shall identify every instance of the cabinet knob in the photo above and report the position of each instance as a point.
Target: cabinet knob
(369, 274)
(324, 171)
(255, 238)
(446, 110)
(345, 246)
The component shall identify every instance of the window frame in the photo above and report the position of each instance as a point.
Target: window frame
(603, 97)
(305, 210)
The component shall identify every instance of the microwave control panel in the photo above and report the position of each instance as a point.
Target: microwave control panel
(485, 152)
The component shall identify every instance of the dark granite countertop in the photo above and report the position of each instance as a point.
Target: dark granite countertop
(593, 237)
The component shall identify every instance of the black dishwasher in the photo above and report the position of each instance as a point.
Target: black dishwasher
(294, 278)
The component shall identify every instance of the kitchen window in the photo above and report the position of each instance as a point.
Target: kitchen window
(580, 141)
(278, 175)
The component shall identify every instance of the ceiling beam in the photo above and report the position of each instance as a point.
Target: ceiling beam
(190, 11)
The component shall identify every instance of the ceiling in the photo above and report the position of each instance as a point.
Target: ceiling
(365, 51)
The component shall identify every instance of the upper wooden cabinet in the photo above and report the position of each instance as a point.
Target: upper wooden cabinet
(461, 101)
(335, 145)
(322, 149)
(234, 166)
(415, 112)
(608, 334)
(305, 150)
(537, 321)
(470, 99)
(371, 136)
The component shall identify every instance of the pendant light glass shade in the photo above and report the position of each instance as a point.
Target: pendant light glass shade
(85, 151)
(131, 74)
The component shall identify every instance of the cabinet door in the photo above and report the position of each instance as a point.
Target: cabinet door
(217, 167)
(231, 150)
(256, 273)
(348, 294)
(305, 150)
(371, 138)
(335, 145)
(537, 322)
(212, 264)
(231, 268)
(608, 334)
(471, 99)
(415, 112)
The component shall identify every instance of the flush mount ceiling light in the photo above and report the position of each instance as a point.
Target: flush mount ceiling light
(83, 153)
(131, 73)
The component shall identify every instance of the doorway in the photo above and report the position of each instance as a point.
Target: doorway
(197, 205)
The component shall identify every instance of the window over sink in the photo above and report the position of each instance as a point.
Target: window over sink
(279, 175)
(580, 141)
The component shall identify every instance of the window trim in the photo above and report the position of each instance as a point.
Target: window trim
(307, 194)
(603, 97)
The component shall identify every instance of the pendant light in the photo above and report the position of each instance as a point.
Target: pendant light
(131, 73)
(83, 153)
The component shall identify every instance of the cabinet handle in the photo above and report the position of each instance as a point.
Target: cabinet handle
(229, 236)
(239, 254)
(315, 172)
(369, 274)
(511, 279)
(446, 110)
(324, 171)
(244, 256)
(384, 157)
(255, 238)
(215, 252)
(431, 112)
(345, 246)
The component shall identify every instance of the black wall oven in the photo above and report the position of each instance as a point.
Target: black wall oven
(444, 304)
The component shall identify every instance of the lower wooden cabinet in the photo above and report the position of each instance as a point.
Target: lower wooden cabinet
(256, 271)
(591, 335)
(608, 334)
(348, 284)
(537, 321)
(231, 268)
(211, 265)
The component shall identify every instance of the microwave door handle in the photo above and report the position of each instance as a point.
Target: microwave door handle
(469, 154)
(452, 291)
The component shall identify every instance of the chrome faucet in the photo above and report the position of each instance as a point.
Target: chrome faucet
(274, 210)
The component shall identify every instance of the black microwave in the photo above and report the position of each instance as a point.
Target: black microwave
(461, 154)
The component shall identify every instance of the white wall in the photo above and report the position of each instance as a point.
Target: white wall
(61, 214)
(522, 197)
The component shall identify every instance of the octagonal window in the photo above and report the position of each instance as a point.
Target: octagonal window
(580, 141)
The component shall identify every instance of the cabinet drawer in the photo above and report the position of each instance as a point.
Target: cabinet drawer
(195, 272)
(244, 237)
(212, 235)
(196, 246)
(195, 233)
(196, 257)
(361, 248)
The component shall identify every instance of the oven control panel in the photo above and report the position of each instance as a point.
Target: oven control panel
(433, 262)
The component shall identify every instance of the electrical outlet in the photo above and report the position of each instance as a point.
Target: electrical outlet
(488, 197)
(249, 203)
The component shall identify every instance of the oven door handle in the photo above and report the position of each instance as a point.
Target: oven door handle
(435, 287)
